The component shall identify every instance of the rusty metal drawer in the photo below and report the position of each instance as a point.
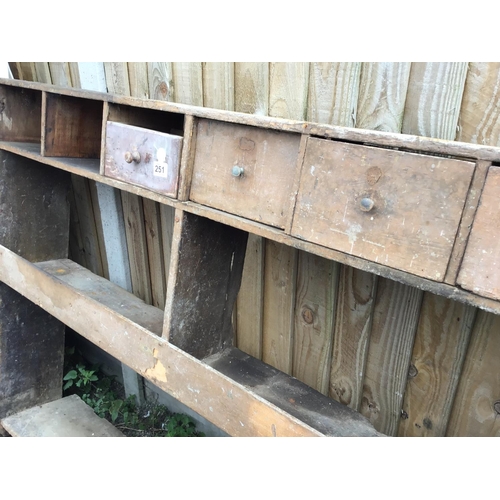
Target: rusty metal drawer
(245, 170)
(480, 270)
(144, 157)
(396, 208)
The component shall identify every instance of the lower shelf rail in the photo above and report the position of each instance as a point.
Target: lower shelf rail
(239, 394)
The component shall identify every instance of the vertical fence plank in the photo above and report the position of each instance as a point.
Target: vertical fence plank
(167, 215)
(395, 318)
(479, 120)
(332, 98)
(288, 90)
(160, 78)
(356, 295)
(14, 69)
(476, 408)
(43, 72)
(433, 100)
(251, 88)
(112, 228)
(317, 282)
(218, 85)
(88, 76)
(138, 79)
(381, 102)
(27, 71)
(83, 203)
(333, 93)
(76, 248)
(287, 99)
(155, 252)
(288, 84)
(117, 78)
(60, 73)
(188, 83)
(249, 305)
(438, 354)
(99, 228)
(136, 243)
(279, 298)
(251, 82)
(432, 108)
(382, 95)
(74, 73)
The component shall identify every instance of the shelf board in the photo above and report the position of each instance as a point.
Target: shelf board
(66, 417)
(86, 167)
(110, 317)
(359, 136)
(327, 415)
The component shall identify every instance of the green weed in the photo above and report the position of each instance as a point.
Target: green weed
(105, 396)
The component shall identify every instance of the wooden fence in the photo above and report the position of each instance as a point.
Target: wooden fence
(414, 363)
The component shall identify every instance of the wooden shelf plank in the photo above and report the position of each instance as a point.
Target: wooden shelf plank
(77, 298)
(405, 141)
(106, 293)
(66, 417)
(328, 416)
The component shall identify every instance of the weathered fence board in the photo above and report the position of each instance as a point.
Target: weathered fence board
(432, 108)
(160, 79)
(395, 317)
(218, 85)
(315, 306)
(333, 93)
(438, 354)
(280, 271)
(479, 120)
(188, 83)
(477, 402)
(60, 73)
(382, 96)
(251, 88)
(356, 295)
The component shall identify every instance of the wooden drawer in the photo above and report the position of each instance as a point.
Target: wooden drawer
(396, 208)
(268, 159)
(144, 157)
(480, 270)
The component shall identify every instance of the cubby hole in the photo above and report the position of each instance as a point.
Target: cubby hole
(71, 127)
(152, 119)
(20, 115)
(122, 237)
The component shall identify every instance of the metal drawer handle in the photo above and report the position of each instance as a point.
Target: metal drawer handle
(367, 204)
(132, 156)
(237, 171)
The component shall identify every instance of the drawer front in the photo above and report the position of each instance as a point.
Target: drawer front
(245, 170)
(480, 270)
(399, 209)
(144, 157)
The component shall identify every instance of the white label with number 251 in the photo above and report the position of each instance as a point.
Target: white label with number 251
(160, 169)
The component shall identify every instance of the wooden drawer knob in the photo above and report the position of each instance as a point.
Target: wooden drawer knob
(132, 156)
(367, 204)
(237, 171)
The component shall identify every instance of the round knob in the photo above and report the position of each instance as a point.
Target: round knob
(131, 156)
(237, 171)
(366, 204)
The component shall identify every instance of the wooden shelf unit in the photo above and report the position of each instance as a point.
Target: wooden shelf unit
(48, 132)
